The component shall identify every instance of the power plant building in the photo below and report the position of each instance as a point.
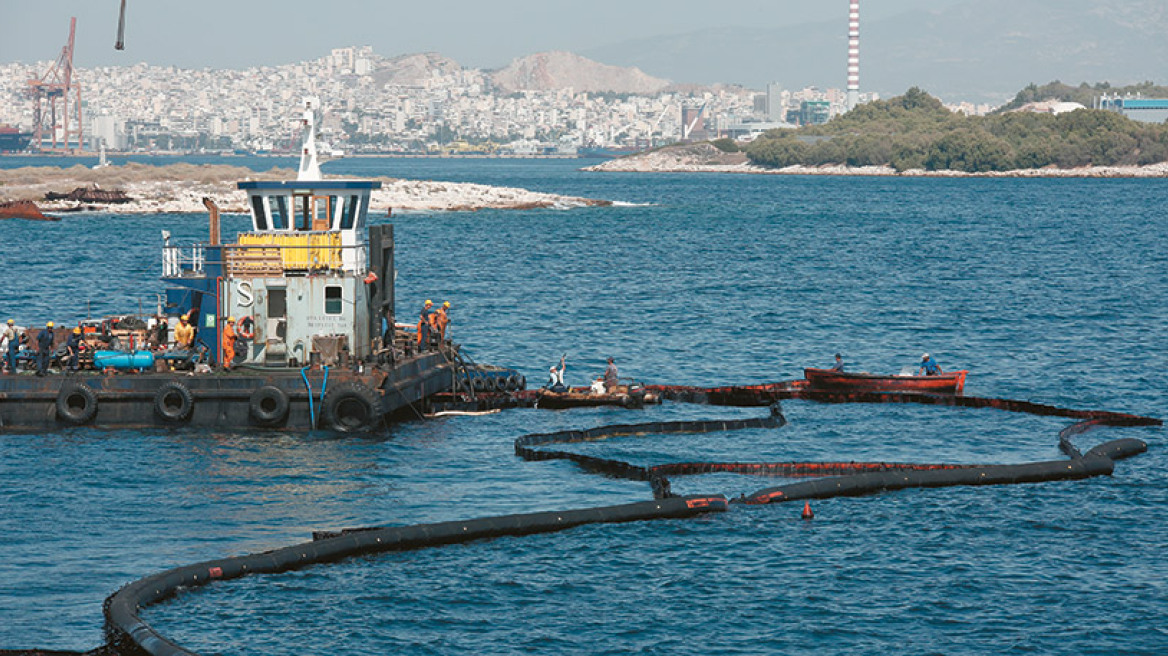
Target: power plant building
(1145, 110)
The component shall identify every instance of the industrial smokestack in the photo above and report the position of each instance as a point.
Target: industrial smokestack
(853, 54)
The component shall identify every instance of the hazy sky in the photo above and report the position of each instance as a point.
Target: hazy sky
(476, 33)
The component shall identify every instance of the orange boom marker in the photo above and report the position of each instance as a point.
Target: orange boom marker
(807, 514)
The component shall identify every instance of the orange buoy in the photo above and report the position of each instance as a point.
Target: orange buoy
(807, 514)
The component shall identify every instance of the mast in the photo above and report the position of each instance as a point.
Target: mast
(309, 165)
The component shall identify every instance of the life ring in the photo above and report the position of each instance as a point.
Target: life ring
(268, 405)
(246, 328)
(173, 402)
(351, 408)
(76, 403)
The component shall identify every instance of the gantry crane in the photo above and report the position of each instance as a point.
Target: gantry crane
(57, 103)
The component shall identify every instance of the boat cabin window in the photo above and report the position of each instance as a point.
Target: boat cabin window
(278, 206)
(258, 211)
(303, 204)
(332, 300)
(304, 211)
(349, 219)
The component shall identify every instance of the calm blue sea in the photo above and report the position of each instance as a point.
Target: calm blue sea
(1048, 290)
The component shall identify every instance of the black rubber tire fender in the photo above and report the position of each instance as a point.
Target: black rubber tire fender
(268, 406)
(173, 402)
(76, 403)
(351, 408)
(478, 382)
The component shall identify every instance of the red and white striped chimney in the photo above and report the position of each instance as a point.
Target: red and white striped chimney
(853, 54)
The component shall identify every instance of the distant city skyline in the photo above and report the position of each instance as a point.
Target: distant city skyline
(959, 50)
(238, 35)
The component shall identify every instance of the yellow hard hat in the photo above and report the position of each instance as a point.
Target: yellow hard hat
(10, 322)
(446, 304)
(76, 331)
(429, 302)
(230, 319)
(49, 324)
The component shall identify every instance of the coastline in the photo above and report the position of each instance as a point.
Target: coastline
(704, 158)
(180, 188)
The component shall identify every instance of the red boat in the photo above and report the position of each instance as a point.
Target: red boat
(23, 209)
(952, 382)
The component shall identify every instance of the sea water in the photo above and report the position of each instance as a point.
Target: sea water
(1047, 290)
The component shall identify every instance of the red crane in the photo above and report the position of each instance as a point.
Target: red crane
(57, 103)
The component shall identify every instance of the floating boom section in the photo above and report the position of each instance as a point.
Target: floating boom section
(127, 633)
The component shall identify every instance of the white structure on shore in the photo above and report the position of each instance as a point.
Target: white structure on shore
(853, 55)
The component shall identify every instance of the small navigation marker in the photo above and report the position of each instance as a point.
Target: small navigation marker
(807, 514)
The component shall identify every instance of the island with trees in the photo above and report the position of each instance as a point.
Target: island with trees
(915, 134)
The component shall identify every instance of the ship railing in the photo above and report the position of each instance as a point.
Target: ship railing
(266, 259)
(176, 262)
(295, 259)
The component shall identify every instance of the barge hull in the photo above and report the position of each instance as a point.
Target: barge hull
(242, 400)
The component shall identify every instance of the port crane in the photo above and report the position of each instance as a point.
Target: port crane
(56, 100)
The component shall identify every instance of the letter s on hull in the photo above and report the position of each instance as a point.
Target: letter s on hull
(246, 295)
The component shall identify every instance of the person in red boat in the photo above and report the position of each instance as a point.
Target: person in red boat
(839, 363)
(929, 366)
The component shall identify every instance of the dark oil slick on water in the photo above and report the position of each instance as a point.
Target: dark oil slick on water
(1048, 290)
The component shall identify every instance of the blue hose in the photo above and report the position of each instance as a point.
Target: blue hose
(311, 411)
(323, 387)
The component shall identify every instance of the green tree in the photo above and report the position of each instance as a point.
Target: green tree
(726, 145)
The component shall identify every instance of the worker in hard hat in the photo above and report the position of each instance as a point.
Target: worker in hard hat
(44, 348)
(229, 343)
(73, 349)
(425, 325)
(184, 332)
(441, 320)
(10, 343)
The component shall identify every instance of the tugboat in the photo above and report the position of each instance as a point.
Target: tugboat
(308, 291)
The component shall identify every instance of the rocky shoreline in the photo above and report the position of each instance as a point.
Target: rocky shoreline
(180, 188)
(705, 158)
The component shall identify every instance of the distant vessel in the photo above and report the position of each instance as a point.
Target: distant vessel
(13, 140)
(23, 209)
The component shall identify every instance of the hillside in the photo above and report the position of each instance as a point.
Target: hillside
(414, 69)
(559, 70)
